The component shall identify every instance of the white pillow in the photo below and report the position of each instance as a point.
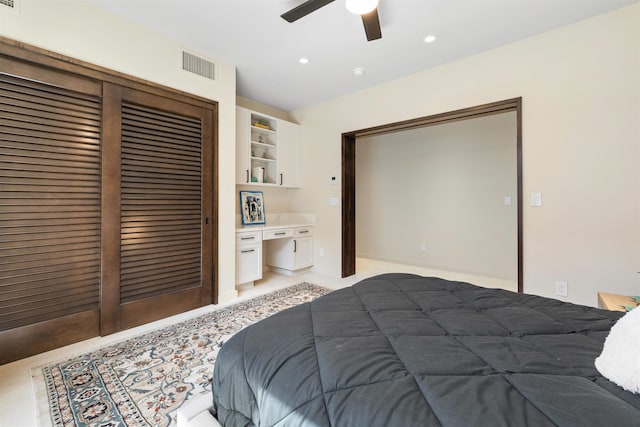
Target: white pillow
(620, 358)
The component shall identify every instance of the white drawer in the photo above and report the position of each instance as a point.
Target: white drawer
(303, 232)
(281, 233)
(248, 237)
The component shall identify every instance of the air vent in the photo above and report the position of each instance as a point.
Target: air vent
(196, 64)
(10, 6)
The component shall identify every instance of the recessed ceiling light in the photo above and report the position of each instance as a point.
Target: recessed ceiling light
(303, 60)
(358, 72)
(430, 39)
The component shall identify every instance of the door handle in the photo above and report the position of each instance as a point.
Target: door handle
(295, 246)
(247, 175)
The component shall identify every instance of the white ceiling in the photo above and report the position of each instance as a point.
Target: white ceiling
(265, 48)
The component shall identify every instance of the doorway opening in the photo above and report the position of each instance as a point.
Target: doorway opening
(349, 140)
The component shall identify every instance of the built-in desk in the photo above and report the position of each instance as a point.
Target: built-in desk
(288, 249)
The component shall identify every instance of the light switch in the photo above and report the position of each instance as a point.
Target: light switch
(334, 201)
(536, 199)
(507, 200)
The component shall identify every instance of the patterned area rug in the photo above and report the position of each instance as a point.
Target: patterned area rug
(144, 380)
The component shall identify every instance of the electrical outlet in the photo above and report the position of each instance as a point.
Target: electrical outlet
(321, 251)
(562, 289)
(423, 247)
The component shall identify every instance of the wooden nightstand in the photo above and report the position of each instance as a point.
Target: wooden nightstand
(615, 302)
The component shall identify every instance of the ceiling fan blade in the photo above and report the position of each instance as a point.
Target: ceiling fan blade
(372, 25)
(304, 9)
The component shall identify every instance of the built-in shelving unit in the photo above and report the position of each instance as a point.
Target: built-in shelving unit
(267, 150)
(264, 152)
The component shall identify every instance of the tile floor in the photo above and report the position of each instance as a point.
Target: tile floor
(17, 397)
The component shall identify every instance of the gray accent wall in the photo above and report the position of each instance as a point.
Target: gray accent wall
(442, 187)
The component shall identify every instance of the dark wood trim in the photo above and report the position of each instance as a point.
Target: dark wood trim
(17, 67)
(520, 195)
(59, 62)
(348, 204)
(349, 173)
(147, 310)
(111, 206)
(207, 208)
(214, 207)
(442, 118)
(45, 336)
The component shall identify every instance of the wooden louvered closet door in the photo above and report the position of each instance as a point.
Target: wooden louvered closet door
(163, 209)
(49, 208)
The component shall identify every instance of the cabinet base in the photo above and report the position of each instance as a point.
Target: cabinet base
(289, 272)
(244, 286)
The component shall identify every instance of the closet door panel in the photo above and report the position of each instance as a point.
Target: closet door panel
(49, 209)
(164, 263)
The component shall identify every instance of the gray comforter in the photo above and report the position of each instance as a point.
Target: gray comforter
(405, 350)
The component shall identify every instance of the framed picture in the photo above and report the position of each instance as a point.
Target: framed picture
(252, 207)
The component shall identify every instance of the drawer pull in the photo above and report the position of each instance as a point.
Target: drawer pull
(248, 238)
(303, 232)
(282, 233)
(247, 251)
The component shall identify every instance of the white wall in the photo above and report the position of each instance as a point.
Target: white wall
(442, 186)
(580, 86)
(276, 200)
(81, 30)
(262, 108)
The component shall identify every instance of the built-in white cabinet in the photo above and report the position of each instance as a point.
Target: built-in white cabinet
(288, 248)
(289, 154)
(293, 253)
(267, 150)
(248, 256)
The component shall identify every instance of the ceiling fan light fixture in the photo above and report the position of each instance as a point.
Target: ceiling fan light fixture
(430, 38)
(359, 72)
(361, 7)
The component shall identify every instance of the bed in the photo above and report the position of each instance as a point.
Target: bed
(406, 350)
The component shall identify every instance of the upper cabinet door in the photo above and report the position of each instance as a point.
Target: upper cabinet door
(289, 145)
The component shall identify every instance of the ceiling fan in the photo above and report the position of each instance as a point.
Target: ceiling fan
(368, 9)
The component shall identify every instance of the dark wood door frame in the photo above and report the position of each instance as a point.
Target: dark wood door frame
(349, 169)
